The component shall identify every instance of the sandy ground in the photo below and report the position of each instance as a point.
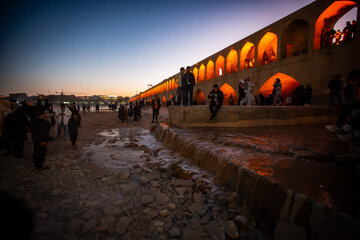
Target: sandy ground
(120, 183)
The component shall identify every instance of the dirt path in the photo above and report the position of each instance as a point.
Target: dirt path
(120, 183)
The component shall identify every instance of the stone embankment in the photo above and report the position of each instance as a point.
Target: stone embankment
(284, 213)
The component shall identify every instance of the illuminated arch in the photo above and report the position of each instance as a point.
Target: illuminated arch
(247, 56)
(232, 61)
(199, 97)
(219, 64)
(295, 38)
(289, 84)
(268, 44)
(329, 17)
(196, 74)
(202, 73)
(163, 100)
(209, 70)
(228, 90)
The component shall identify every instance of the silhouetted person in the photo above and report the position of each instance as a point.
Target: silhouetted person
(216, 100)
(277, 90)
(16, 123)
(130, 113)
(40, 135)
(241, 92)
(97, 108)
(156, 107)
(73, 125)
(84, 108)
(349, 92)
(335, 86)
(353, 28)
(231, 100)
(181, 90)
(347, 31)
(189, 82)
(262, 99)
(63, 116)
(307, 95)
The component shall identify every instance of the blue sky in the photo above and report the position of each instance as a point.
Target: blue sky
(117, 47)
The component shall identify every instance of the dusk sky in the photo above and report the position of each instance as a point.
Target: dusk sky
(118, 47)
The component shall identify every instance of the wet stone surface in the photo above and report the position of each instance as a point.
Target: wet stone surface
(121, 183)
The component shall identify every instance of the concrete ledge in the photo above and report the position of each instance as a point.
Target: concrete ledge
(240, 116)
(285, 213)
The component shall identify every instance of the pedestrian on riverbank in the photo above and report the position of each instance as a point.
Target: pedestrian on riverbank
(84, 108)
(156, 107)
(40, 135)
(277, 91)
(130, 113)
(73, 125)
(63, 116)
(97, 108)
(188, 84)
(216, 100)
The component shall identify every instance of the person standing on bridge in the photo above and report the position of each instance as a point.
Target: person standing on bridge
(156, 107)
(216, 97)
(277, 90)
(188, 84)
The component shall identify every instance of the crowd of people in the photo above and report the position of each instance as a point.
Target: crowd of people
(331, 37)
(40, 119)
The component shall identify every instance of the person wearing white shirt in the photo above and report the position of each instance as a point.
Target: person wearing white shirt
(63, 116)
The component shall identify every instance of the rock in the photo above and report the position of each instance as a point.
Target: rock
(89, 225)
(56, 192)
(91, 214)
(164, 175)
(42, 215)
(155, 183)
(174, 232)
(161, 198)
(290, 231)
(123, 225)
(172, 206)
(184, 183)
(152, 214)
(111, 210)
(231, 230)
(108, 219)
(73, 226)
(164, 213)
(201, 210)
(241, 221)
(106, 179)
(215, 231)
(205, 220)
(159, 224)
(83, 196)
(192, 234)
(93, 203)
(199, 198)
(160, 229)
(181, 190)
(124, 174)
(102, 228)
(146, 199)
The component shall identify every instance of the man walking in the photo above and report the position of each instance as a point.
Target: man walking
(216, 100)
(156, 107)
(188, 84)
(63, 118)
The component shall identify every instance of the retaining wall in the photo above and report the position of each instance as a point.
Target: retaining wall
(283, 212)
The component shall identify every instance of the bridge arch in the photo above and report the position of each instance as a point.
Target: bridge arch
(267, 48)
(228, 90)
(232, 61)
(201, 73)
(295, 39)
(210, 70)
(163, 102)
(247, 56)
(219, 64)
(329, 17)
(199, 97)
(196, 74)
(289, 84)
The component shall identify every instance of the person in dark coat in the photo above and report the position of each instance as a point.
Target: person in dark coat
(16, 124)
(216, 100)
(188, 83)
(73, 125)
(40, 135)
(335, 86)
(156, 107)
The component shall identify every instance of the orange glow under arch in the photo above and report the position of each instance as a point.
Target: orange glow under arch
(289, 84)
(227, 90)
(164, 100)
(247, 52)
(209, 70)
(219, 64)
(202, 73)
(199, 97)
(232, 61)
(268, 43)
(329, 17)
(196, 74)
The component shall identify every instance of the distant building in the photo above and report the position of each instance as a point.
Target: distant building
(18, 96)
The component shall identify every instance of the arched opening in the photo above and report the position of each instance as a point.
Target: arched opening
(267, 48)
(289, 84)
(196, 74)
(209, 70)
(219, 66)
(199, 98)
(326, 21)
(232, 61)
(163, 102)
(202, 73)
(228, 91)
(247, 56)
(295, 38)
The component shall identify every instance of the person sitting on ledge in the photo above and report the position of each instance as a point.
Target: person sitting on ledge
(216, 100)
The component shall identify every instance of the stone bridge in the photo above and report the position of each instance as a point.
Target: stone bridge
(294, 53)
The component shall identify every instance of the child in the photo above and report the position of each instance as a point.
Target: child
(40, 134)
(73, 128)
